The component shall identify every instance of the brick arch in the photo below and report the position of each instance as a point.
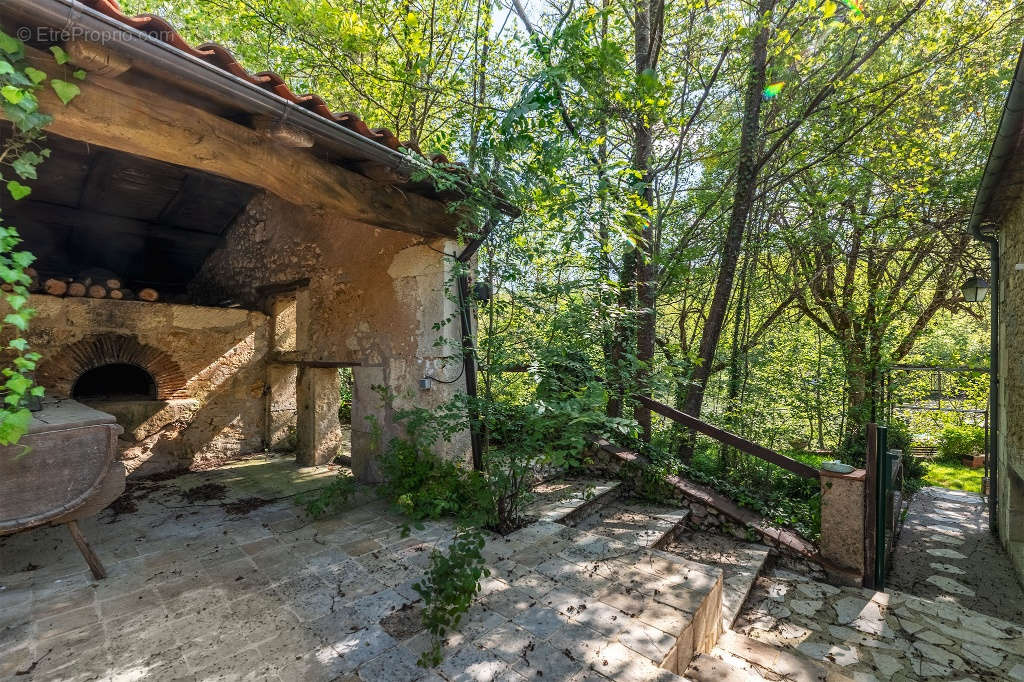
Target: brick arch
(59, 372)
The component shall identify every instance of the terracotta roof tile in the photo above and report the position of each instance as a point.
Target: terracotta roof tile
(220, 57)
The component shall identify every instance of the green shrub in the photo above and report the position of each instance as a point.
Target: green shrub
(448, 588)
(956, 442)
(426, 487)
(331, 497)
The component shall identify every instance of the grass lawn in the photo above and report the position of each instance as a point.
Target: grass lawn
(953, 476)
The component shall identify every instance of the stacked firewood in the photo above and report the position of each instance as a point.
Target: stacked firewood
(94, 283)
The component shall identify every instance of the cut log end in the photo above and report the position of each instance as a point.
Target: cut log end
(76, 289)
(150, 295)
(55, 287)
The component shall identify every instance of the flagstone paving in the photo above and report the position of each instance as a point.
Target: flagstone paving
(858, 634)
(946, 552)
(219, 575)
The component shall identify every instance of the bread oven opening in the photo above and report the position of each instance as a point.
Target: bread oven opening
(115, 382)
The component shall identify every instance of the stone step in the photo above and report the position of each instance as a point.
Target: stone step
(787, 664)
(566, 500)
(635, 522)
(641, 611)
(739, 580)
(717, 667)
(741, 564)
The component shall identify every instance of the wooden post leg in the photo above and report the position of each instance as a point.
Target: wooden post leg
(90, 556)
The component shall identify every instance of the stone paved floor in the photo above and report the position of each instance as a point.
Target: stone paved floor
(219, 576)
(863, 635)
(946, 552)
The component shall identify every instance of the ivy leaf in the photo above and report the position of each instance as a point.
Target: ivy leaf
(79, 74)
(23, 258)
(35, 75)
(25, 165)
(16, 320)
(14, 425)
(65, 91)
(9, 44)
(18, 190)
(18, 384)
(16, 301)
(59, 54)
(5, 67)
(12, 94)
(19, 344)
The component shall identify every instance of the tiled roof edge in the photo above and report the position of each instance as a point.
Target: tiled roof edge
(220, 57)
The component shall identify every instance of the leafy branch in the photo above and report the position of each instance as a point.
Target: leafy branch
(20, 155)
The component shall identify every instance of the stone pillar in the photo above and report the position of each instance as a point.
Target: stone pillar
(842, 525)
(418, 338)
(317, 431)
(369, 422)
(281, 407)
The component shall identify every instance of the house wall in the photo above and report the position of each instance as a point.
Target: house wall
(373, 299)
(1010, 468)
(207, 364)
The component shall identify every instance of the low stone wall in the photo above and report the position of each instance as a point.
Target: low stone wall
(709, 510)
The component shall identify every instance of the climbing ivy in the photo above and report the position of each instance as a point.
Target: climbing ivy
(21, 152)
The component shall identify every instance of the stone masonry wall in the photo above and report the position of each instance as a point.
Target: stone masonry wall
(207, 363)
(1010, 469)
(374, 297)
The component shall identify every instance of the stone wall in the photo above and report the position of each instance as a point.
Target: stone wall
(1010, 468)
(207, 364)
(375, 298)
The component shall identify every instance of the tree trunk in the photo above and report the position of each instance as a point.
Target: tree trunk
(647, 41)
(747, 172)
(623, 336)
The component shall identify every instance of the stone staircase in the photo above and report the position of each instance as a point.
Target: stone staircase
(659, 526)
(595, 558)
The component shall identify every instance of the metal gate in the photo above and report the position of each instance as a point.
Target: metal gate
(883, 503)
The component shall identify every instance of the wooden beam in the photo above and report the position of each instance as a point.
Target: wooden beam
(293, 358)
(96, 59)
(130, 119)
(40, 213)
(723, 436)
(283, 287)
(281, 133)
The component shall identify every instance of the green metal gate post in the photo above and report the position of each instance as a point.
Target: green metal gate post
(882, 484)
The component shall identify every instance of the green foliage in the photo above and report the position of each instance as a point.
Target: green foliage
(953, 476)
(957, 442)
(781, 497)
(426, 487)
(20, 155)
(331, 498)
(898, 435)
(914, 472)
(452, 580)
(345, 388)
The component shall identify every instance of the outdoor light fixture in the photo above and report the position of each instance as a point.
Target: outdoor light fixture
(974, 290)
